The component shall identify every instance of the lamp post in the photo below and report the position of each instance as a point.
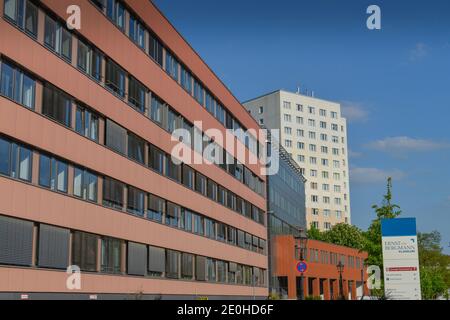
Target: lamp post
(340, 268)
(302, 242)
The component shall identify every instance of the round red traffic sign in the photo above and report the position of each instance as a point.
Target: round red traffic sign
(302, 267)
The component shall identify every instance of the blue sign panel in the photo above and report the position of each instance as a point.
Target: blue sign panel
(302, 267)
(398, 227)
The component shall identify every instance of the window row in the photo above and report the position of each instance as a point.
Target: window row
(57, 248)
(58, 105)
(147, 41)
(53, 173)
(57, 38)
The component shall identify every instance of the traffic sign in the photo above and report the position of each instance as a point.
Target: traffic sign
(302, 267)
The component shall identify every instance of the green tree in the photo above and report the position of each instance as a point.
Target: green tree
(314, 233)
(372, 243)
(434, 266)
(345, 235)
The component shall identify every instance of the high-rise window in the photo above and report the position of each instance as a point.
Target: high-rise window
(199, 92)
(188, 177)
(156, 261)
(211, 269)
(137, 31)
(186, 220)
(135, 203)
(156, 112)
(187, 265)
(115, 78)
(210, 228)
(172, 258)
(90, 60)
(23, 13)
(172, 66)
(172, 214)
(186, 80)
(15, 160)
(85, 184)
(113, 193)
(136, 147)
(116, 12)
(57, 105)
(156, 159)
(155, 49)
(86, 123)
(116, 137)
(156, 208)
(200, 184)
(58, 38)
(111, 251)
(212, 190)
(136, 94)
(53, 173)
(17, 85)
(84, 251)
(199, 224)
(173, 169)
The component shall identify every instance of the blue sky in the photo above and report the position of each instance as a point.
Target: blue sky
(394, 84)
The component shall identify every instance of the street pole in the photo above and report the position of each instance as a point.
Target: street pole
(341, 287)
(302, 293)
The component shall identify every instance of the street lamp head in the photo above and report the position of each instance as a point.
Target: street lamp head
(303, 238)
(340, 267)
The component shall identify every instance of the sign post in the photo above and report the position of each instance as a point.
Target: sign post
(400, 259)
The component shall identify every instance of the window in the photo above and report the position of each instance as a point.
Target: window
(173, 169)
(137, 259)
(311, 122)
(156, 112)
(58, 38)
(85, 184)
(57, 105)
(299, 120)
(156, 159)
(136, 94)
(221, 231)
(116, 12)
(15, 160)
(300, 145)
(232, 270)
(115, 78)
(53, 247)
(334, 115)
(156, 261)
(187, 266)
(186, 80)
(287, 118)
(231, 235)
(210, 228)
(210, 103)
(323, 112)
(286, 105)
(222, 195)
(136, 148)
(111, 255)
(199, 92)
(84, 251)
(334, 127)
(86, 123)
(90, 60)
(199, 224)
(172, 66)
(113, 193)
(172, 258)
(188, 177)
(311, 110)
(23, 14)
(16, 241)
(136, 32)
(135, 203)
(200, 184)
(17, 86)
(155, 49)
(212, 190)
(172, 214)
(156, 208)
(186, 220)
(116, 137)
(323, 125)
(53, 173)
(211, 269)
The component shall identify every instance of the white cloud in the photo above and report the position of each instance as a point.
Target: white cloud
(374, 175)
(354, 154)
(354, 112)
(420, 51)
(402, 145)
